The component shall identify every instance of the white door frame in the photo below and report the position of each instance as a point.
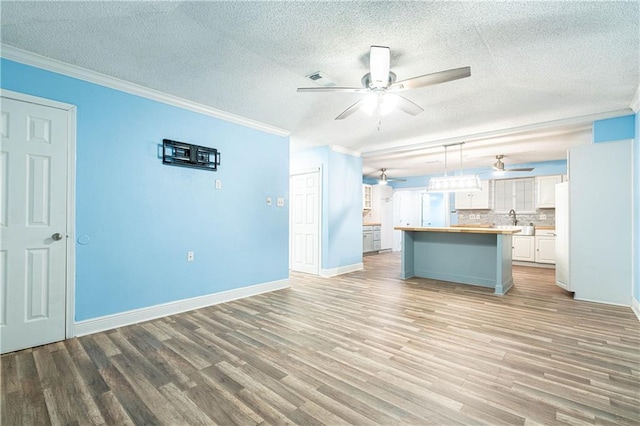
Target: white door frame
(317, 170)
(71, 199)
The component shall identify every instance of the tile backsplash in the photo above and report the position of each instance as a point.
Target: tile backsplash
(489, 216)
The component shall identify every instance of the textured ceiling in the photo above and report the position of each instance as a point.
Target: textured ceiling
(531, 62)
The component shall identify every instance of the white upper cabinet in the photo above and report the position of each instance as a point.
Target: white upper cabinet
(516, 194)
(366, 197)
(546, 189)
(474, 199)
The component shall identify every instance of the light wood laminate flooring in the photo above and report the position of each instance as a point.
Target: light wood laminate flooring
(362, 348)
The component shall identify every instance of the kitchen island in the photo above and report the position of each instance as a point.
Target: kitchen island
(475, 256)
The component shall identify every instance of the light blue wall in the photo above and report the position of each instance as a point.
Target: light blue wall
(142, 217)
(341, 203)
(345, 210)
(636, 208)
(614, 129)
(625, 128)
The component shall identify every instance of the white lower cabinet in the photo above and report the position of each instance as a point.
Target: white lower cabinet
(371, 238)
(538, 249)
(546, 247)
(524, 248)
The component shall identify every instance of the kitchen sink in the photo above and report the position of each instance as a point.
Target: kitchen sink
(524, 230)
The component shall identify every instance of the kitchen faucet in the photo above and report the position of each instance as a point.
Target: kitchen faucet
(512, 212)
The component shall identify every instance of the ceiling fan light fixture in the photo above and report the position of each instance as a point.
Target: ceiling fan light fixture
(385, 103)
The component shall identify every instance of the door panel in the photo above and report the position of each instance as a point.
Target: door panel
(305, 225)
(33, 197)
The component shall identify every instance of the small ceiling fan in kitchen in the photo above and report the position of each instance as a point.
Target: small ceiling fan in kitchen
(383, 179)
(381, 86)
(498, 167)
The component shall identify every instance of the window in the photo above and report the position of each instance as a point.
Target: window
(516, 194)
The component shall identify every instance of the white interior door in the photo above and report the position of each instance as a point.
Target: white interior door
(33, 216)
(305, 222)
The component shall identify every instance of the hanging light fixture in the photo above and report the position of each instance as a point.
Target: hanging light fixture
(456, 182)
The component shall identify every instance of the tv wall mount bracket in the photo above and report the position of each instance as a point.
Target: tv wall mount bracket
(184, 154)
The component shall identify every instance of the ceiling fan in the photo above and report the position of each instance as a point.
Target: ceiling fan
(498, 166)
(383, 179)
(380, 83)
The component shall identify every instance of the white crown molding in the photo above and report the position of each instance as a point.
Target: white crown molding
(135, 316)
(635, 102)
(53, 65)
(343, 150)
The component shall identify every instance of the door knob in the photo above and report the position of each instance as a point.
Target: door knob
(56, 237)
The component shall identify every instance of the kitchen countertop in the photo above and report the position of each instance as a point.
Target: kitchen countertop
(488, 225)
(371, 224)
(459, 230)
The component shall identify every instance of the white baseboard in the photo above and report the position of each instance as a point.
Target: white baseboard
(604, 302)
(135, 316)
(635, 306)
(328, 273)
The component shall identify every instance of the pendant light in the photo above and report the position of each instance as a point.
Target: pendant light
(454, 183)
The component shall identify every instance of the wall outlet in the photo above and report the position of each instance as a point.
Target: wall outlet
(543, 216)
(269, 201)
(280, 202)
(189, 256)
(218, 184)
(472, 216)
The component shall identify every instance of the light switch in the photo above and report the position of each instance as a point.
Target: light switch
(218, 184)
(269, 201)
(280, 202)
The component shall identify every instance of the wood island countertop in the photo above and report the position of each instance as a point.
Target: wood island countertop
(459, 230)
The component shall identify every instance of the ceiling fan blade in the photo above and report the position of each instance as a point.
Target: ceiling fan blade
(379, 64)
(347, 112)
(524, 169)
(332, 89)
(431, 79)
(407, 106)
(396, 180)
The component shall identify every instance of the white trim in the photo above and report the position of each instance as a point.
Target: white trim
(328, 273)
(635, 307)
(343, 150)
(586, 120)
(304, 172)
(635, 102)
(71, 221)
(53, 65)
(600, 301)
(70, 285)
(135, 316)
(10, 94)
